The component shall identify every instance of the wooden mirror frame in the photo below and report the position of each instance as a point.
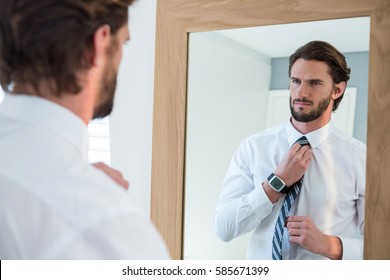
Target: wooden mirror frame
(177, 18)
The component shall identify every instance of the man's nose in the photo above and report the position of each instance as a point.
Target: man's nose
(303, 90)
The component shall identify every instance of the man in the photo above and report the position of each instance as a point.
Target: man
(59, 59)
(321, 217)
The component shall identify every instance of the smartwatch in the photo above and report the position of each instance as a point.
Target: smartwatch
(277, 184)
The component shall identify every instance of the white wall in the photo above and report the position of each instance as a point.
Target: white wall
(131, 121)
(227, 98)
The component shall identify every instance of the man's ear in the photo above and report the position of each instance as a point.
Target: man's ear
(339, 90)
(101, 41)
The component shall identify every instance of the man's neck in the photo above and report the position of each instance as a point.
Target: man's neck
(307, 127)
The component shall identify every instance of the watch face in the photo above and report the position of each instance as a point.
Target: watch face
(277, 183)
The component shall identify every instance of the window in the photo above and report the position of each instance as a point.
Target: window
(99, 141)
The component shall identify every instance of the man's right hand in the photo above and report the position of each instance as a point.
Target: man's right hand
(294, 164)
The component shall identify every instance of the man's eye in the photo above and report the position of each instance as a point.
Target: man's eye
(295, 81)
(315, 83)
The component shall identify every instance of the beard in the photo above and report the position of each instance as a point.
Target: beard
(106, 94)
(107, 87)
(312, 115)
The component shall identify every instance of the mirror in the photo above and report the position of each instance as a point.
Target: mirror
(176, 19)
(238, 86)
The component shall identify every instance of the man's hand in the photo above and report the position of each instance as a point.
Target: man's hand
(302, 231)
(294, 164)
(113, 174)
(292, 167)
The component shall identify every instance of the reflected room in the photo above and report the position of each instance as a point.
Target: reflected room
(238, 86)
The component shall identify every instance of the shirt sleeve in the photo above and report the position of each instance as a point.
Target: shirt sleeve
(353, 247)
(242, 204)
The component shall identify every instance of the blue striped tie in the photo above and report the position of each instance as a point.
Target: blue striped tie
(287, 204)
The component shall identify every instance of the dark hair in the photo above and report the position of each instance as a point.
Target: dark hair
(51, 39)
(324, 52)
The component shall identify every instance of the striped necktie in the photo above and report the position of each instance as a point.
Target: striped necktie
(291, 195)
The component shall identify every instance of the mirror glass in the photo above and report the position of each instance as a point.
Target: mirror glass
(237, 86)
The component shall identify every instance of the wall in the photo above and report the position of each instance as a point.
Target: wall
(227, 97)
(131, 121)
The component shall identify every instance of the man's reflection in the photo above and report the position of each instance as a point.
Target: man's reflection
(326, 218)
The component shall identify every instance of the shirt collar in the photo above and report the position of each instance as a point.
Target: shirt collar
(315, 137)
(48, 115)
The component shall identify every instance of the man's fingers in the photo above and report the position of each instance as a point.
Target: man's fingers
(114, 174)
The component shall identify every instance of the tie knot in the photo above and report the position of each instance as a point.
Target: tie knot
(303, 141)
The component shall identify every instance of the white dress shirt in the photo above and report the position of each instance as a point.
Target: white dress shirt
(332, 194)
(53, 204)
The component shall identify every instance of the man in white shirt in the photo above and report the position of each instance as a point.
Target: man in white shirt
(61, 59)
(326, 220)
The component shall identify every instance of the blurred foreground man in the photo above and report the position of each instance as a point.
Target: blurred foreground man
(58, 62)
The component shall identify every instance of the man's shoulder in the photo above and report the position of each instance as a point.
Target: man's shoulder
(79, 194)
(97, 193)
(349, 141)
(266, 135)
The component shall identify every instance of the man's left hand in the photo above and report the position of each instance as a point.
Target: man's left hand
(304, 232)
(113, 174)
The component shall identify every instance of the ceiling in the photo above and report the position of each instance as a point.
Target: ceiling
(347, 35)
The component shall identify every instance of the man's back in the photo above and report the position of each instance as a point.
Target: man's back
(53, 204)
